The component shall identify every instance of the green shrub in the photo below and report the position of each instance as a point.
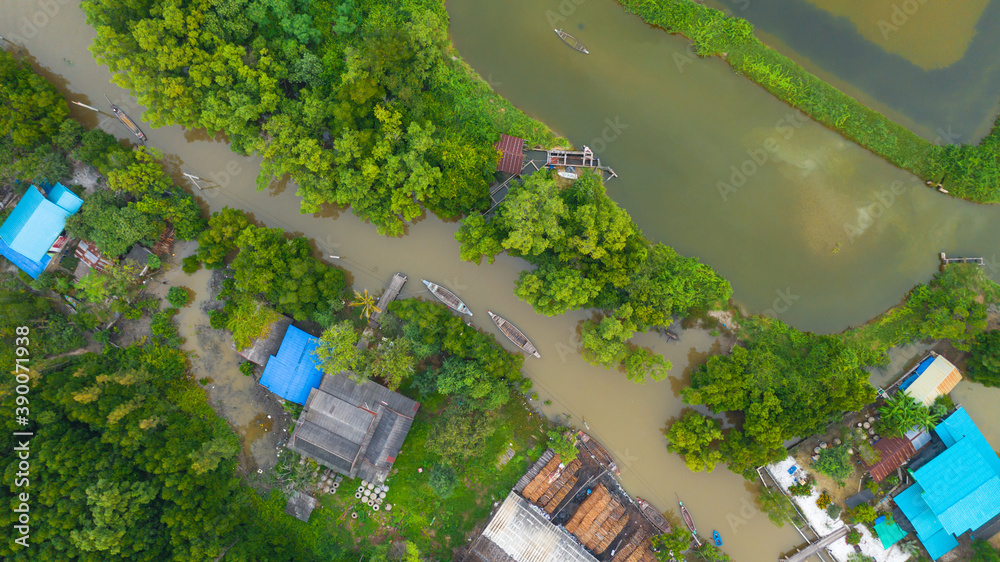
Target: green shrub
(803, 489)
(163, 327)
(442, 480)
(154, 262)
(217, 319)
(892, 480)
(862, 514)
(190, 264)
(835, 462)
(853, 537)
(247, 368)
(833, 510)
(178, 297)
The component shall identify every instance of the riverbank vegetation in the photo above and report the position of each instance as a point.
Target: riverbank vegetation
(588, 253)
(784, 383)
(360, 103)
(472, 438)
(969, 171)
(128, 461)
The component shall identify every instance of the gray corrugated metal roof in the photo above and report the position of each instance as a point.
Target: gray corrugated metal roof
(338, 422)
(339, 417)
(300, 506)
(523, 533)
(263, 348)
(323, 457)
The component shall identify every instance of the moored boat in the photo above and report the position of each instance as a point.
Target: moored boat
(654, 516)
(596, 450)
(572, 41)
(449, 298)
(127, 121)
(513, 334)
(717, 537)
(689, 522)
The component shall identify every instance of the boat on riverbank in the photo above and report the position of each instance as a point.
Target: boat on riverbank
(572, 41)
(127, 121)
(654, 516)
(717, 537)
(689, 522)
(597, 451)
(513, 334)
(449, 298)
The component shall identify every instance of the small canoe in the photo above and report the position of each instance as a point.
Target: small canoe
(654, 517)
(449, 298)
(127, 121)
(513, 334)
(717, 537)
(572, 41)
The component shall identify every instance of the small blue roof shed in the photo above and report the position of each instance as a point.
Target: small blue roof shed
(293, 371)
(34, 225)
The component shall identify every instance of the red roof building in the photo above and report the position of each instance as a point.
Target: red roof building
(512, 154)
(88, 253)
(895, 452)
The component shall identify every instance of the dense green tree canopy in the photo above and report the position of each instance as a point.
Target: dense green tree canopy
(693, 437)
(31, 110)
(984, 361)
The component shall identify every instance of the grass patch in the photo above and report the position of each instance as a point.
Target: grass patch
(437, 525)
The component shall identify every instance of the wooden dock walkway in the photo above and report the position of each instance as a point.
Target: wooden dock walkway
(947, 261)
(815, 547)
(390, 294)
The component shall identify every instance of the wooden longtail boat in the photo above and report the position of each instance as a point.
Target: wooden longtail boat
(449, 298)
(572, 41)
(127, 121)
(513, 334)
(596, 450)
(689, 521)
(654, 517)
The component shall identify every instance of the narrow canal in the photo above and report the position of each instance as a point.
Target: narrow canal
(929, 65)
(685, 129)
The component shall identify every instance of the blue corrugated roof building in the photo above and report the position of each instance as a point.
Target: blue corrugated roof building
(957, 491)
(292, 372)
(34, 225)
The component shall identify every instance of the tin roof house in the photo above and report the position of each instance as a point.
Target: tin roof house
(355, 429)
(955, 492)
(34, 226)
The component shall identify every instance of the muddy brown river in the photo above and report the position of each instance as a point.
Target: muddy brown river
(775, 234)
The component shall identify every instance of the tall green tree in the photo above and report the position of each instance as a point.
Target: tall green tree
(694, 437)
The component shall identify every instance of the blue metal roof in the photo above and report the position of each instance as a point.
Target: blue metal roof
(957, 491)
(32, 268)
(34, 225)
(293, 372)
(65, 198)
(917, 372)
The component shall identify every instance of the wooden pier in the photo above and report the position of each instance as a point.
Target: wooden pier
(390, 294)
(948, 261)
(817, 546)
(579, 159)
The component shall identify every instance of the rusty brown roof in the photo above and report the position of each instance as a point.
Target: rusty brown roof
(513, 156)
(895, 452)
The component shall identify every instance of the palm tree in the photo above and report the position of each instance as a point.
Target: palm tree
(366, 302)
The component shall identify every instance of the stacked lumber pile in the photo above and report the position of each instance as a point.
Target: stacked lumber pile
(598, 520)
(540, 483)
(637, 549)
(562, 486)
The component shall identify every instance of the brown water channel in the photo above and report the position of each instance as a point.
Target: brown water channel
(930, 64)
(804, 224)
(684, 131)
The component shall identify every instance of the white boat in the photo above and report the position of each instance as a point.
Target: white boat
(568, 175)
(449, 298)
